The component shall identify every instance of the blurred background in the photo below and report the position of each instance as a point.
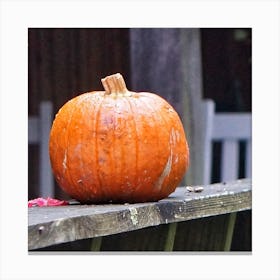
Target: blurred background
(213, 63)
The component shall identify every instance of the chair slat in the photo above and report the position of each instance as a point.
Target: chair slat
(46, 178)
(230, 160)
(33, 131)
(38, 133)
(207, 120)
(248, 159)
(232, 125)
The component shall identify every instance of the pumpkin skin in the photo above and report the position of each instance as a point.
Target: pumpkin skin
(118, 146)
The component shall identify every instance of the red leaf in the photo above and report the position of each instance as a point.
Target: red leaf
(40, 202)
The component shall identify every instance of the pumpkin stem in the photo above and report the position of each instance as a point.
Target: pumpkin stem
(114, 84)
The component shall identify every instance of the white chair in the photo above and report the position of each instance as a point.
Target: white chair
(38, 133)
(229, 129)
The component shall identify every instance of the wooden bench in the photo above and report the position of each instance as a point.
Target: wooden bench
(49, 226)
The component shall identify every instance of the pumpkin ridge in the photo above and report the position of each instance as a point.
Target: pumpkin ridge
(116, 163)
(113, 139)
(96, 126)
(131, 106)
(54, 151)
(168, 166)
(172, 146)
(154, 113)
(82, 153)
(139, 184)
(66, 157)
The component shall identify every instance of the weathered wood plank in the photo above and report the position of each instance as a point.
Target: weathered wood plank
(53, 225)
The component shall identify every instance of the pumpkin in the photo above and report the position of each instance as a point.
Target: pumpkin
(118, 146)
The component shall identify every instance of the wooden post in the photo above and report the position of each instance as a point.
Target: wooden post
(170, 238)
(96, 243)
(191, 94)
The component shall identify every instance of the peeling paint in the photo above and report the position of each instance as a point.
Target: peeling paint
(58, 222)
(176, 216)
(133, 216)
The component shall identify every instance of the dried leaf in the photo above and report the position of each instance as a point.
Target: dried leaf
(40, 202)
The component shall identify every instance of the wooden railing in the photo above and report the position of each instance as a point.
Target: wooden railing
(48, 226)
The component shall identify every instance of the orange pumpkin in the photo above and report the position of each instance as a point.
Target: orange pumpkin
(118, 146)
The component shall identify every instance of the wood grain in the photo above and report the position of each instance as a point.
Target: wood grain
(54, 225)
